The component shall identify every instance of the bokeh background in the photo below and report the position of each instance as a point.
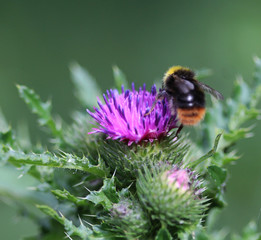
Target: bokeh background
(39, 39)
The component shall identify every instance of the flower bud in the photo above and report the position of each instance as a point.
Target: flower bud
(172, 196)
(129, 220)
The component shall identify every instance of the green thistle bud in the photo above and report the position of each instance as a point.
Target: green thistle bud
(129, 159)
(129, 220)
(172, 196)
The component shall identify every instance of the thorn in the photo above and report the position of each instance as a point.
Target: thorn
(87, 189)
(88, 223)
(129, 186)
(78, 184)
(113, 175)
(80, 220)
(89, 215)
(68, 236)
(82, 198)
(61, 214)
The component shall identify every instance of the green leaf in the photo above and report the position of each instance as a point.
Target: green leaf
(241, 91)
(86, 88)
(218, 175)
(101, 234)
(256, 96)
(71, 229)
(65, 195)
(242, 115)
(94, 232)
(42, 109)
(106, 196)
(66, 161)
(208, 155)
(232, 116)
(215, 183)
(238, 134)
(119, 78)
(163, 234)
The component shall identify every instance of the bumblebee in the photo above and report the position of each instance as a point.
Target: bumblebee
(185, 95)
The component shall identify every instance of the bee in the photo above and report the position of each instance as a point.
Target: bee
(185, 94)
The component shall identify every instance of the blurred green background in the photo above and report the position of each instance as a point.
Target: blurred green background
(38, 40)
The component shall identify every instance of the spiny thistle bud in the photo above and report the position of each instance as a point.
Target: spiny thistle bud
(129, 220)
(128, 160)
(172, 196)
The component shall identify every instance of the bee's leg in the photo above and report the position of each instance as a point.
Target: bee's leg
(179, 129)
(152, 107)
(161, 95)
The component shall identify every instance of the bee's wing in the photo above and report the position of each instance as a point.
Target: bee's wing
(210, 90)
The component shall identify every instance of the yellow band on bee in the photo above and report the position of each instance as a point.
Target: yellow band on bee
(175, 69)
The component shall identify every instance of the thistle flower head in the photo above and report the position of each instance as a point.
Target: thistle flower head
(122, 116)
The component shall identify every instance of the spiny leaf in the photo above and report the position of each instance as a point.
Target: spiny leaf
(238, 134)
(206, 156)
(241, 91)
(42, 109)
(234, 113)
(71, 229)
(106, 196)
(218, 175)
(119, 78)
(67, 161)
(256, 96)
(65, 195)
(95, 232)
(242, 115)
(86, 88)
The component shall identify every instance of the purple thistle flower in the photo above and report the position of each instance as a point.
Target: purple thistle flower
(122, 115)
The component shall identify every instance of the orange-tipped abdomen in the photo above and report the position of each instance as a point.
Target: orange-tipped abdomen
(190, 116)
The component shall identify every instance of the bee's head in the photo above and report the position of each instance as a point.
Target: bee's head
(181, 72)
